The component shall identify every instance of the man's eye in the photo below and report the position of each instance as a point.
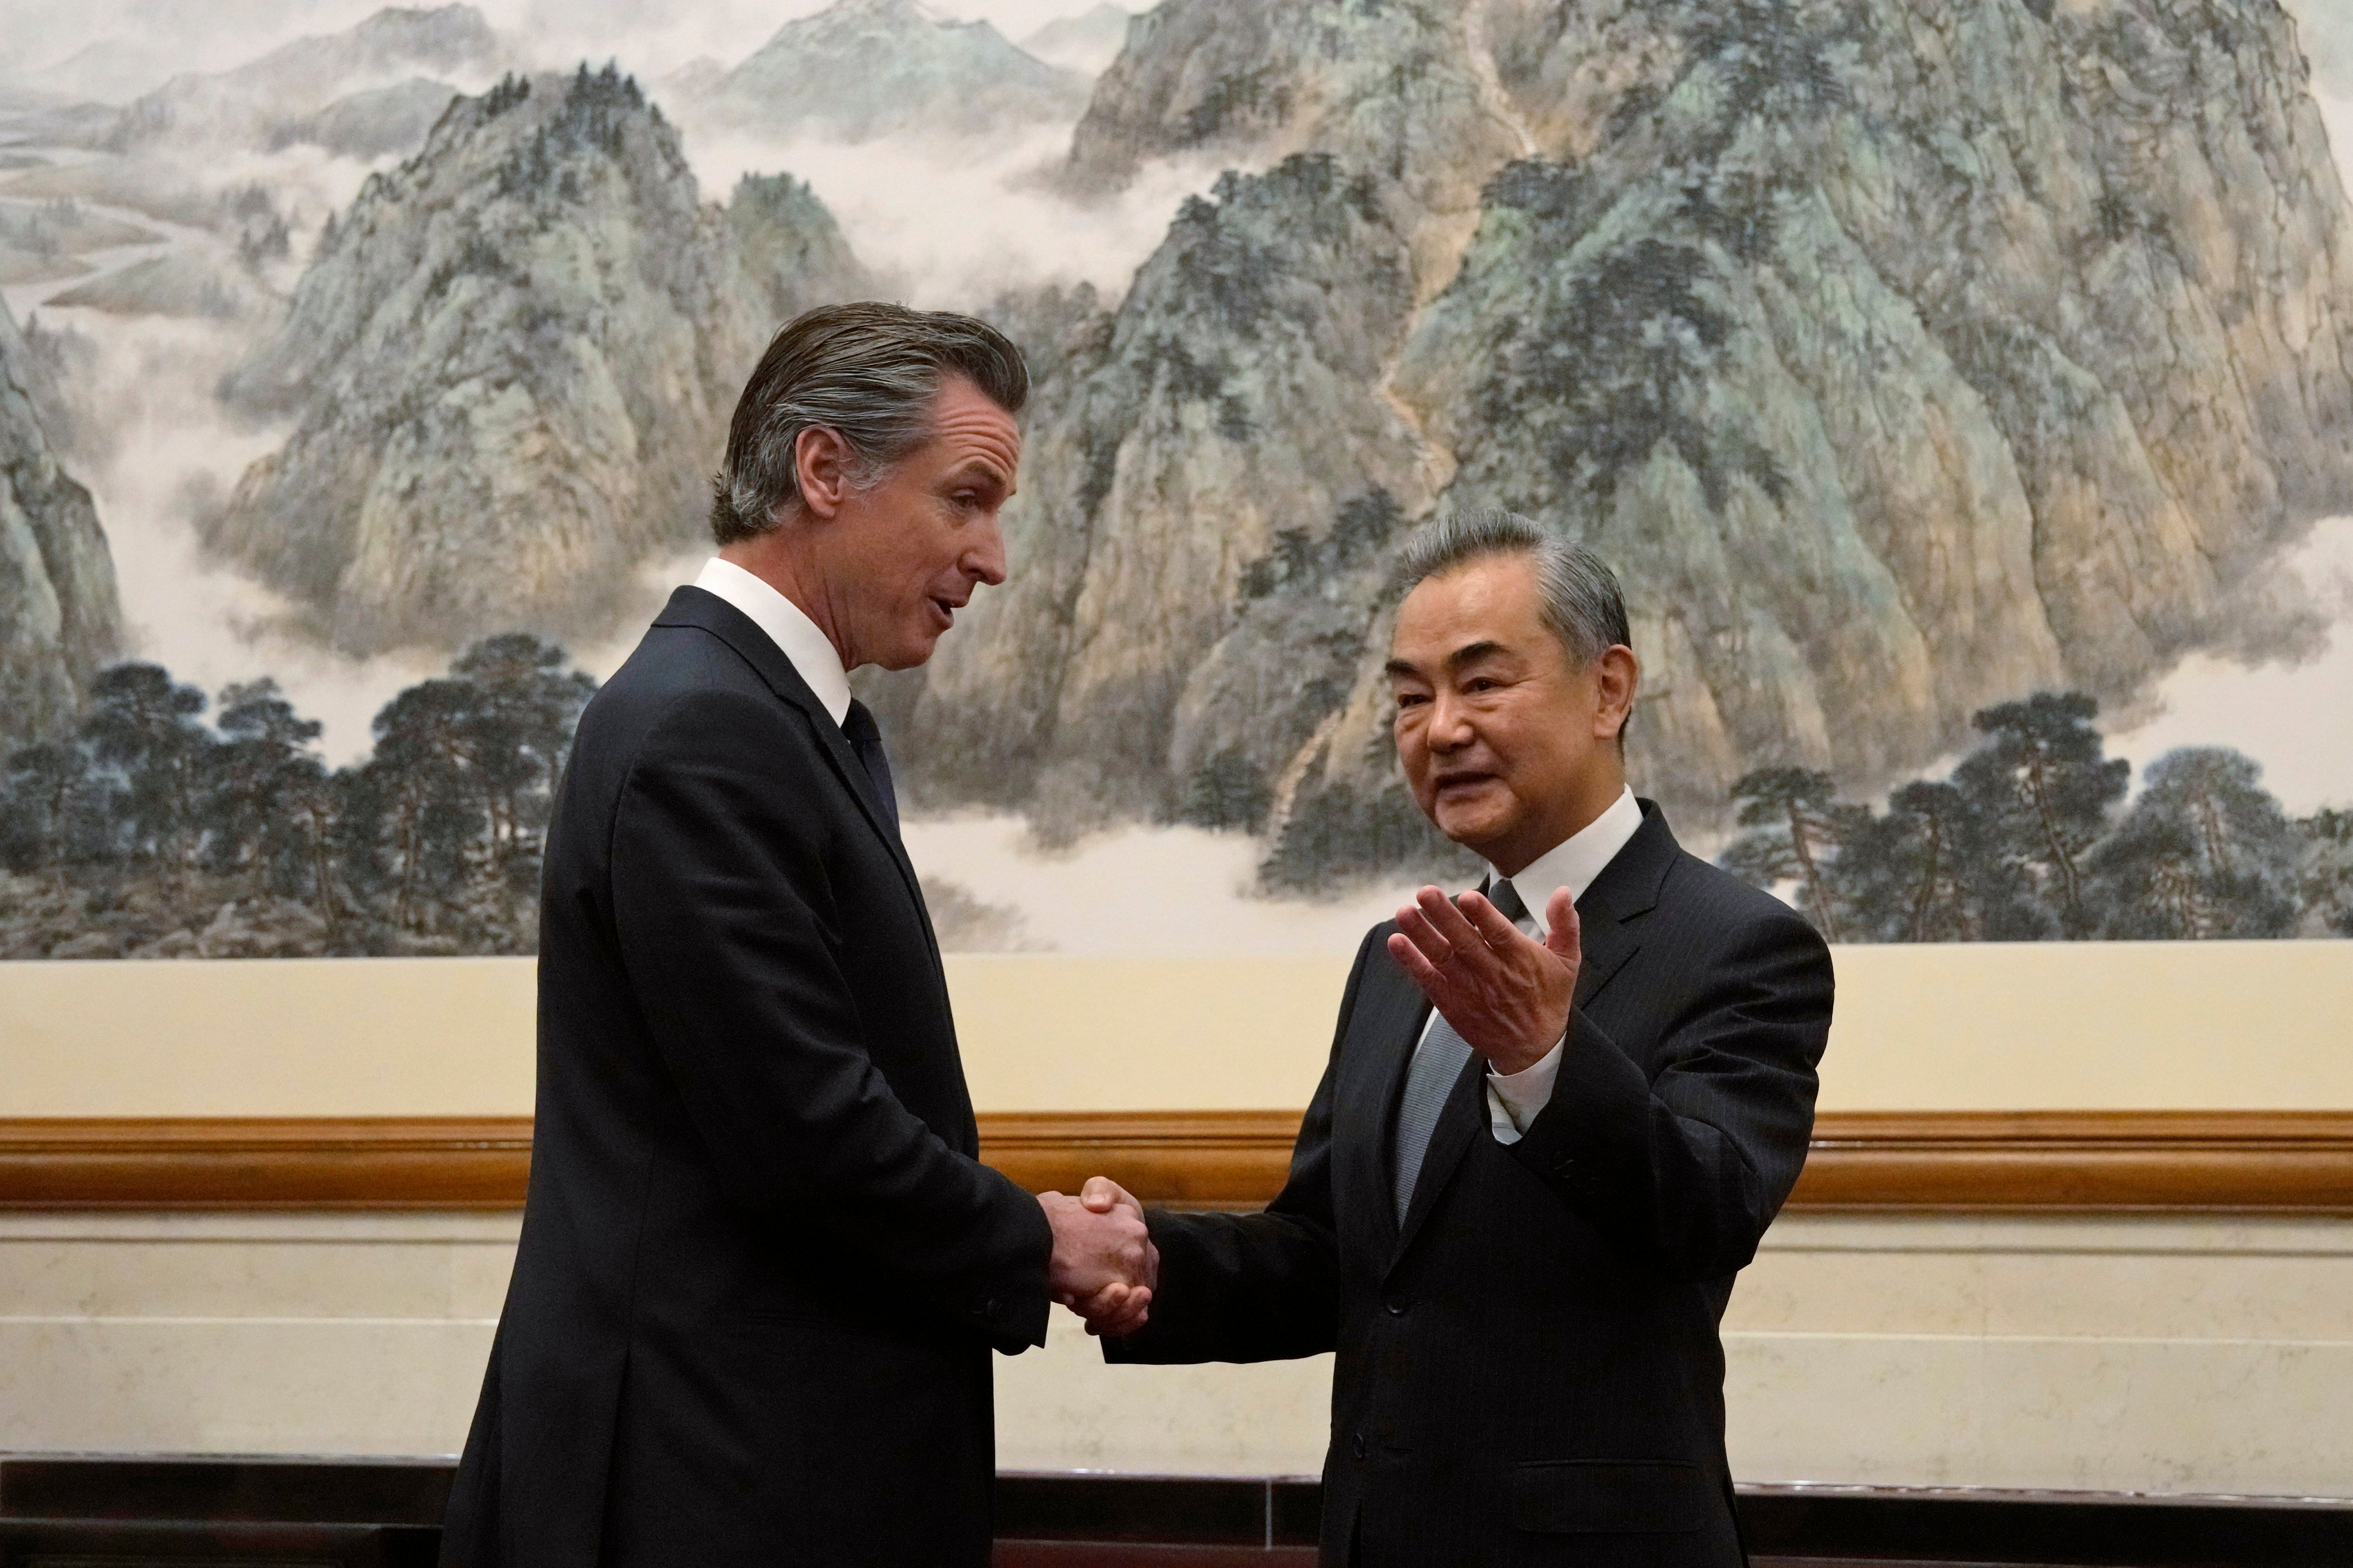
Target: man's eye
(1410, 698)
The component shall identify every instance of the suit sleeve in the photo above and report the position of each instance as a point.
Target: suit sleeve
(1688, 1169)
(719, 902)
(1254, 1287)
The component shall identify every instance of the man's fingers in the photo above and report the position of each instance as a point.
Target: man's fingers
(1487, 921)
(1413, 924)
(1127, 1321)
(1448, 921)
(1417, 968)
(1564, 933)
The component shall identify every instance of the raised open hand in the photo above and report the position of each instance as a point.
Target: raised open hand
(1506, 994)
(1103, 1265)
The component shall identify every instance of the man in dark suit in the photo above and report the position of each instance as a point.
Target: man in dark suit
(761, 1269)
(1516, 1214)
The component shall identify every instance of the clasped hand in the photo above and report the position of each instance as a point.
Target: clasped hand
(1103, 1266)
(1506, 994)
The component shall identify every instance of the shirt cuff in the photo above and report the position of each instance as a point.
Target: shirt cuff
(1524, 1094)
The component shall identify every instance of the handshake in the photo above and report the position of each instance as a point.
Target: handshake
(1103, 1266)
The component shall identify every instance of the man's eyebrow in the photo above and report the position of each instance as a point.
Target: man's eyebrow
(1468, 653)
(1472, 652)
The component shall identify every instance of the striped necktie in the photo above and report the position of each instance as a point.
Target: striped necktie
(1437, 1062)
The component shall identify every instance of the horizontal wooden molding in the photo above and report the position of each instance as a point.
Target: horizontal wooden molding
(289, 1163)
(2290, 1163)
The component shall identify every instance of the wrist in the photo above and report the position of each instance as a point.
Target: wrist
(1520, 1059)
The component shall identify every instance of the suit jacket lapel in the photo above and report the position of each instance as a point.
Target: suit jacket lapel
(1609, 913)
(1383, 1032)
(1462, 1118)
(693, 607)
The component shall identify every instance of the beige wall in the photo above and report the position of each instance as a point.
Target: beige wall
(2182, 1356)
(2253, 1025)
(2159, 1354)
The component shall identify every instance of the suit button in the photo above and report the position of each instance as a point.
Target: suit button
(1397, 1306)
(1360, 1444)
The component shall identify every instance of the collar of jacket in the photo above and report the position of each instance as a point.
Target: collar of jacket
(705, 611)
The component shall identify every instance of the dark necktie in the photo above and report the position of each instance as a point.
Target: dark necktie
(1437, 1061)
(866, 738)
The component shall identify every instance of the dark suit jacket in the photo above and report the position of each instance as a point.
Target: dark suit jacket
(752, 1125)
(1529, 1371)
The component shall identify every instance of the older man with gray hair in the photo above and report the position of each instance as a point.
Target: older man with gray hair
(761, 1268)
(1559, 1113)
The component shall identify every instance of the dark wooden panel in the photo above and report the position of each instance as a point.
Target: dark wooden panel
(382, 1514)
(300, 1163)
(119, 1544)
(2083, 1161)
(2042, 1162)
(314, 1491)
(1131, 1554)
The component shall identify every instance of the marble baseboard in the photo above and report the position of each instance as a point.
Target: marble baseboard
(2141, 1356)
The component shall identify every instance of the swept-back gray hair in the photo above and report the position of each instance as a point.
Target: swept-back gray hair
(867, 372)
(1577, 593)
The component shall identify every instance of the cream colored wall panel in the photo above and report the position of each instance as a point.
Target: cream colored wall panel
(317, 1385)
(1060, 1407)
(2257, 1279)
(325, 1037)
(2168, 1356)
(2161, 1415)
(2057, 1026)
(262, 1280)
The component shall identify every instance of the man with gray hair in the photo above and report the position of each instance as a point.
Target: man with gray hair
(1559, 1113)
(762, 1268)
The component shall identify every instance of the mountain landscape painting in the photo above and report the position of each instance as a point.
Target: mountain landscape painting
(1962, 389)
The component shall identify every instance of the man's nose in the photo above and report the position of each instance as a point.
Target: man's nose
(1450, 727)
(984, 561)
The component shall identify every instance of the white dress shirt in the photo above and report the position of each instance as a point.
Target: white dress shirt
(1515, 1099)
(811, 653)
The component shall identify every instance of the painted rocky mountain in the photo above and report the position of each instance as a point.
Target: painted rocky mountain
(864, 68)
(58, 616)
(1904, 360)
(512, 360)
(370, 76)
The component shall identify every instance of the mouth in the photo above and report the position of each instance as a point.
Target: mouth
(1461, 780)
(945, 610)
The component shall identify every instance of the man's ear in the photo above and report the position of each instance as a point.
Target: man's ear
(821, 465)
(1617, 672)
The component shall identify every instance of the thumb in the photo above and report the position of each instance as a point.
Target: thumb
(1101, 1194)
(1563, 933)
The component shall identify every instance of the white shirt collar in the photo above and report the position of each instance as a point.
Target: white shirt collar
(1574, 862)
(811, 652)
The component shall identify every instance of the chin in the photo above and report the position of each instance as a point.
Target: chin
(917, 650)
(1475, 826)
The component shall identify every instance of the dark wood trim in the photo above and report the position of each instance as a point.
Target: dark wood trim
(2280, 1162)
(386, 1514)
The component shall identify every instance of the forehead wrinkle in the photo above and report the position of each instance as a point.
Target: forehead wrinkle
(996, 440)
